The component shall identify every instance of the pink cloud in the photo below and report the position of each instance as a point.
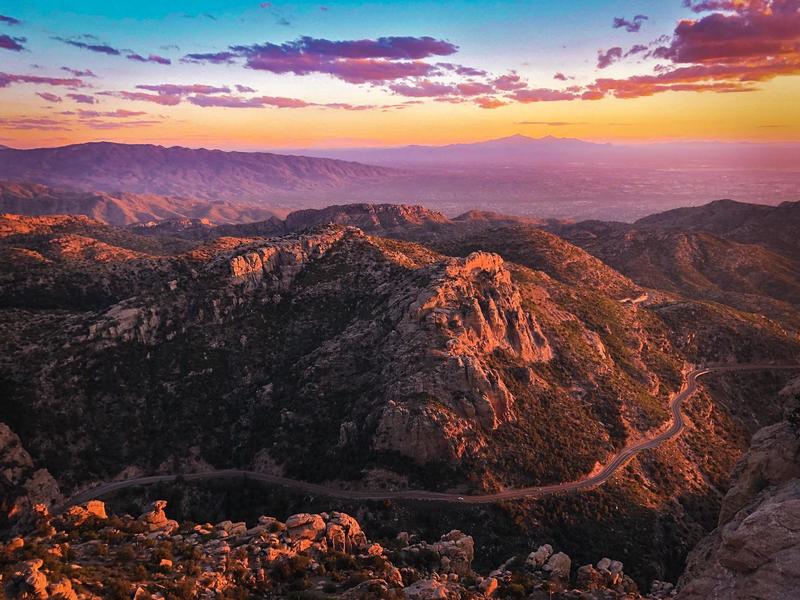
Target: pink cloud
(163, 99)
(489, 103)
(49, 97)
(509, 82)
(7, 79)
(423, 89)
(474, 88)
(542, 95)
(82, 98)
(170, 89)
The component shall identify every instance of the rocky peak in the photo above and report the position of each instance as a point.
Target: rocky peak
(369, 217)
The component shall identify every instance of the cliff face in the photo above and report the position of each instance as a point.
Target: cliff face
(755, 550)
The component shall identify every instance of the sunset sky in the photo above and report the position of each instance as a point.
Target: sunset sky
(250, 75)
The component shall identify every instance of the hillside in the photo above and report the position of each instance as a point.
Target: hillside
(194, 173)
(121, 208)
(336, 357)
(774, 227)
(744, 255)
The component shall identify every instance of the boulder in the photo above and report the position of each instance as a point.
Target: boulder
(305, 526)
(558, 566)
(536, 560)
(156, 519)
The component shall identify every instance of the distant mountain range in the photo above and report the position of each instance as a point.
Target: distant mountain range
(520, 150)
(122, 208)
(196, 173)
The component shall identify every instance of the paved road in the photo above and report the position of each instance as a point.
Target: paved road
(588, 482)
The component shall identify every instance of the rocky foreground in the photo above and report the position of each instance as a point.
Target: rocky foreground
(84, 553)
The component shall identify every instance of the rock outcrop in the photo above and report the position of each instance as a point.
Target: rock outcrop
(85, 553)
(755, 551)
(22, 485)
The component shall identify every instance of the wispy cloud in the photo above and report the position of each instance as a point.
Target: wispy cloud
(49, 97)
(12, 43)
(9, 20)
(631, 26)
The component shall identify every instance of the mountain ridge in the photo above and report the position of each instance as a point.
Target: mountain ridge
(179, 171)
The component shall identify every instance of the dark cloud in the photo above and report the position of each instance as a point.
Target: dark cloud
(111, 51)
(355, 61)
(78, 72)
(12, 43)
(153, 58)
(631, 26)
(100, 48)
(9, 20)
(243, 89)
(608, 57)
(210, 57)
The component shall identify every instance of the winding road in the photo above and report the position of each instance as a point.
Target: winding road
(599, 478)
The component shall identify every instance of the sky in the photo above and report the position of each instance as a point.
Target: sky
(257, 75)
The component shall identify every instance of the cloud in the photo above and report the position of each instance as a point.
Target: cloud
(509, 82)
(210, 57)
(100, 48)
(111, 51)
(631, 26)
(162, 99)
(170, 89)
(636, 49)
(9, 20)
(560, 77)
(100, 124)
(609, 57)
(114, 114)
(462, 70)
(7, 79)
(757, 31)
(240, 102)
(44, 123)
(49, 97)
(552, 123)
(82, 98)
(489, 102)
(243, 89)
(229, 101)
(12, 43)
(527, 96)
(78, 72)
(355, 61)
(474, 88)
(424, 88)
(154, 58)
